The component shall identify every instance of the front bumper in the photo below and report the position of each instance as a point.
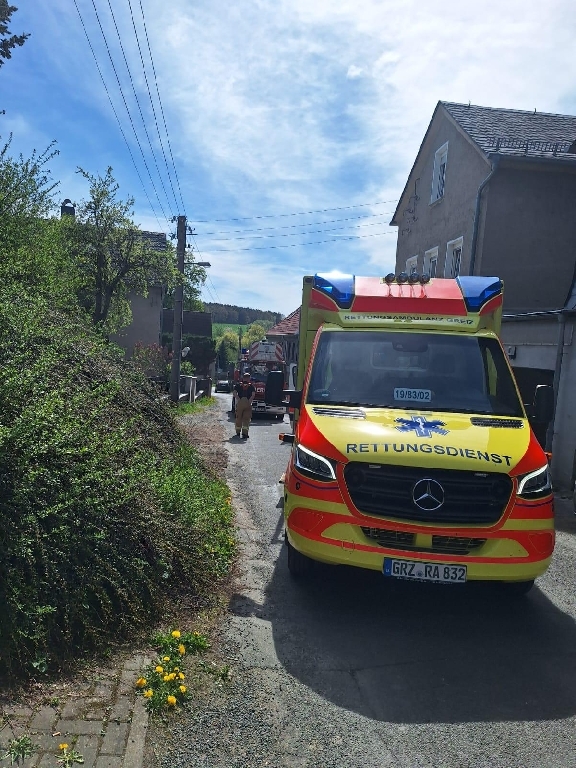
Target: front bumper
(260, 407)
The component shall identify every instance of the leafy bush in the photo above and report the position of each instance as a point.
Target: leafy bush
(102, 505)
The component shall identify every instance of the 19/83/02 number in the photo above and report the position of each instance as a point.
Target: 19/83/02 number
(413, 395)
(417, 571)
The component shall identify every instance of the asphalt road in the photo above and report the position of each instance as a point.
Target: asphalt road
(351, 670)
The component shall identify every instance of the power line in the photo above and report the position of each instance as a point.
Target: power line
(297, 245)
(152, 100)
(297, 234)
(127, 109)
(207, 273)
(291, 226)
(299, 213)
(162, 108)
(137, 99)
(116, 114)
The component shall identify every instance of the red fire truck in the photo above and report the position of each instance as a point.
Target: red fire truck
(262, 357)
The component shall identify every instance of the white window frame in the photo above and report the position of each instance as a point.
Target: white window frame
(412, 264)
(431, 262)
(453, 252)
(439, 174)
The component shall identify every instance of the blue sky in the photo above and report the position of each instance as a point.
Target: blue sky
(287, 123)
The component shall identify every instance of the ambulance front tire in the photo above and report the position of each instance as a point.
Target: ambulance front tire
(299, 565)
(517, 588)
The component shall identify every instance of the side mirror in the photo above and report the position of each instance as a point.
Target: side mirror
(274, 389)
(543, 407)
(275, 394)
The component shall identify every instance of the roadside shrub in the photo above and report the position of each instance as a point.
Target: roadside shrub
(95, 519)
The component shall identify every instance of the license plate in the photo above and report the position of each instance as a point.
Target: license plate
(417, 571)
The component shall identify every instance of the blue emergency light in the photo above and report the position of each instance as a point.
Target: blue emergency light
(477, 290)
(338, 286)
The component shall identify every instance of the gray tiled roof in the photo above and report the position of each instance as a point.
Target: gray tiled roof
(290, 325)
(517, 132)
(156, 240)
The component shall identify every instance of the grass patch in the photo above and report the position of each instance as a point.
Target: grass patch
(186, 409)
(219, 328)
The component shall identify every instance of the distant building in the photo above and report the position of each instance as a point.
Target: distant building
(146, 324)
(286, 332)
(193, 323)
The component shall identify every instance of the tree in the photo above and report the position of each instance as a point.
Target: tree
(202, 352)
(35, 257)
(8, 43)
(114, 257)
(194, 279)
(227, 348)
(255, 332)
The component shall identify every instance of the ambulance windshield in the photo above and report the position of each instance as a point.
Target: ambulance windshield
(426, 371)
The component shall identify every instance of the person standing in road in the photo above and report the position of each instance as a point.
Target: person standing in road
(244, 394)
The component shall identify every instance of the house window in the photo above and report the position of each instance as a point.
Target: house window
(439, 174)
(411, 264)
(431, 262)
(453, 258)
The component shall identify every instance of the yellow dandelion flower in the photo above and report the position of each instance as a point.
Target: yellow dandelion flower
(171, 701)
(159, 670)
(181, 649)
(176, 669)
(182, 689)
(149, 693)
(181, 675)
(141, 682)
(166, 658)
(166, 678)
(172, 675)
(62, 746)
(176, 633)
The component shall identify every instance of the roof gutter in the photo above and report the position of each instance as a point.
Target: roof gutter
(495, 162)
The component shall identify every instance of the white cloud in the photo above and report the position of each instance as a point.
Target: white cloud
(354, 72)
(275, 107)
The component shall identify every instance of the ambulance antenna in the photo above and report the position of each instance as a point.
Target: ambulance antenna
(424, 279)
(413, 279)
(389, 279)
(401, 279)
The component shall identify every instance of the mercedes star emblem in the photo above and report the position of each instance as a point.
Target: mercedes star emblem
(428, 494)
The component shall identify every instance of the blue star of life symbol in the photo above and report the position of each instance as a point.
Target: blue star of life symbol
(422, 427)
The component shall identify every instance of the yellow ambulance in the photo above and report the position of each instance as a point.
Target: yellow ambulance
(412, 451)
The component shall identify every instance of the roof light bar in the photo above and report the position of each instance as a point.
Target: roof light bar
(413, 278)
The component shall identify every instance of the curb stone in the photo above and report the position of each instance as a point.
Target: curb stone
(106, 722)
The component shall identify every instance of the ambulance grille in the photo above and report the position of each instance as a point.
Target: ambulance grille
(483, 421)
(441, 545)
(470, 498)
(455, 545)
(349, 413)
(390, 539)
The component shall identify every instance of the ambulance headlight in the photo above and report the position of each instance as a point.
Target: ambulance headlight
(536, 484)
(313, 465)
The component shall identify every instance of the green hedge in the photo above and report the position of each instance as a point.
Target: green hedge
(103, 507)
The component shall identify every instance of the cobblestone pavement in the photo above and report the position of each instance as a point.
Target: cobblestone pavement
(101, 718)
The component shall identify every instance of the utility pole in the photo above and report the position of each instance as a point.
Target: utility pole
(178, 312)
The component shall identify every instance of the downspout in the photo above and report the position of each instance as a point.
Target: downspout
(556, 380)
(495, 162)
